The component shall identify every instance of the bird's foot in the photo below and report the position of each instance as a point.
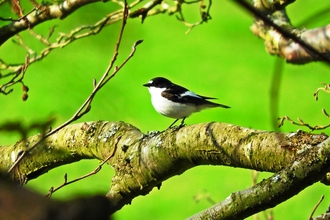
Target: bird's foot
(182, 124)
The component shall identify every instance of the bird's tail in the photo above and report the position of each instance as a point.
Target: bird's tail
(213, 105)
(223, 106)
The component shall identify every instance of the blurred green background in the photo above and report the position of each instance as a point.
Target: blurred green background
(219, 59)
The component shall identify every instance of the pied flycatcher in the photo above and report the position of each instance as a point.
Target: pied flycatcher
(175, 101)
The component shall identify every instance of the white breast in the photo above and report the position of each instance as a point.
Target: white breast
(169, 108)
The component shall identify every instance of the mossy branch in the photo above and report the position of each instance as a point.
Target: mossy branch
(281, 38)
(143, 161)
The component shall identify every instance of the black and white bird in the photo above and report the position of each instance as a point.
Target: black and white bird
(175, 101)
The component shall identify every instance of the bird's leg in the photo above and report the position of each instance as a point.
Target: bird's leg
(182, 123)
(173, 123)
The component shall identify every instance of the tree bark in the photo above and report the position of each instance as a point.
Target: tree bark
(143, 161)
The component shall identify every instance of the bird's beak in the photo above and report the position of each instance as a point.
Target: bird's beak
(146, 85)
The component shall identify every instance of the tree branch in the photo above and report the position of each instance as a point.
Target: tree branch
(143, 161)
(85, 107)
(41, 14)
(303, 172)
(281, 38)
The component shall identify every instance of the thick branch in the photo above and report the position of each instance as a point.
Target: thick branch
(282, 39)
(303, 172)
(212, 143)
(291, 51)
(143, 161)
(41, 14)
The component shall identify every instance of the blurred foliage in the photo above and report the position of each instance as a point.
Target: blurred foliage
(220, 59)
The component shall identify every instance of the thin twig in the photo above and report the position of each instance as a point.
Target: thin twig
(302, 123)
(95, 171)
(205, 15)
(62, 41)
(17, 78)
(326, 89)
(86, 106)
(315, 207)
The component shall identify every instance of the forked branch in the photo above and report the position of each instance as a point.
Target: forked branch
(86, 106)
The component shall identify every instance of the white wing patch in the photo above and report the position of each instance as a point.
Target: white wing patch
(189, 93)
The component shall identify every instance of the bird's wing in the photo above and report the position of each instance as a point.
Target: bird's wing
(182, 95)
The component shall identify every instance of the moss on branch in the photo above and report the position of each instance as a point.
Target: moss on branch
(143, 161)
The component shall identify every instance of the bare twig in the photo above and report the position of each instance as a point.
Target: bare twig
(302, 123)
(39, 37)
(17, 78)
(325, 113)
(143, 12)
(86, 106)
(326, 89)
(205, 15)
(95, 171)
(62, 41)
(315, 207)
